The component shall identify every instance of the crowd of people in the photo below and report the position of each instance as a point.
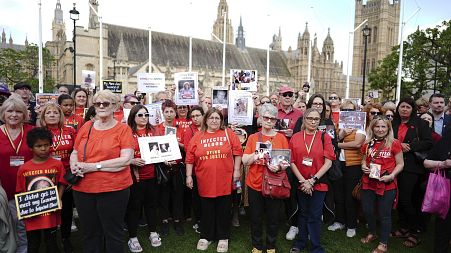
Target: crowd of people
(87, 147)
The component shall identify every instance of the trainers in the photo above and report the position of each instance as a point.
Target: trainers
(73, 227)
(202, 244)
(223, 246)
(165, 228)
(350, 232)
(271, 251)
(255, 250)
(134, 246)
(178, 228)
(196, 228)
(336, 226)
(155, 239)
(291, 234)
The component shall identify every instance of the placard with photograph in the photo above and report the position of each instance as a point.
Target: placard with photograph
(170, 130)
(157, 149)
(352, 119)
(112, 85)
(355, 101)
(373, 94)
(88, 79)
(186, 85)
(220, 97)
(263, 150)
(155, 113)
(45, 98)
(241, 107)
(280, 156)
(242, 79)
(151, 82)
(328, 129)
(37, 202)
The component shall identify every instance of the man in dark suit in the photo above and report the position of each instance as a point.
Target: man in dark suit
(441, 119)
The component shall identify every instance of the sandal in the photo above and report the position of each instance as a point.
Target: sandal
(368, 238)
(202, 244)
(412, 241)
(381, 248)
(400, 233)
(223, 246)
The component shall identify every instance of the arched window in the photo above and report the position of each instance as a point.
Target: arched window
(89, 66)
(375, 34)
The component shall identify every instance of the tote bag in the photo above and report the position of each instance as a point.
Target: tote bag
(436, 200)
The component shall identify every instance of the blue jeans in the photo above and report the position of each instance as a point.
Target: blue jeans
(385, 205)
(309, 220)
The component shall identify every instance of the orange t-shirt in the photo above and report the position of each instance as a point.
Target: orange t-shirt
(33, 176)
(74, 121)
(254, 177)
(212, 157)
(80, 111)
(104, 145)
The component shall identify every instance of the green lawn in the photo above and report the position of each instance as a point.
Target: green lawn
(240, 241)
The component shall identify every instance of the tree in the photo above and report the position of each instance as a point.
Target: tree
(23, 66)
(383, 78)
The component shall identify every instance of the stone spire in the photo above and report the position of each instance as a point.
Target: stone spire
(10, 41)
(58, 17)
(93, 19)
(26, 41)
(277, 41)
(3, 38)
(121, 53)
(328, 47)
(240, 41)
(218, 26)
(58, 27)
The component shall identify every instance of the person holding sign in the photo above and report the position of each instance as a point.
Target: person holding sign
(13, 154)
(310, 160)
(382, 155)
(42, 171)
(257, 202)
(216, 151)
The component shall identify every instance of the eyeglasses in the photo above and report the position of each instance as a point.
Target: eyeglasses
(317, 104)
(287, 94)
(375, 113)
(104, 104)
(143, 115)
(266, 119)
(182, 107)
(265, 102)
(311, 119)
(333, 98)
(134, 103)
(214, 119)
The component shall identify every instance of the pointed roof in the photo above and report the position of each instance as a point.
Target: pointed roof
(121, 54)
(3, 36)
(26, 40)
(306, 34)
(328, 40)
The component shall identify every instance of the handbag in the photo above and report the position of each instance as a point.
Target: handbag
(275, 184)
(436, 200)
(70, 177)
(356, 192)
(335, 171)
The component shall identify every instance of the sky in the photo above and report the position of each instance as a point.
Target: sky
(261, 18)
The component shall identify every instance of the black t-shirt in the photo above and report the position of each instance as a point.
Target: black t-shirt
(442, 150)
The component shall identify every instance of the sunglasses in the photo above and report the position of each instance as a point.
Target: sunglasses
(333, 98)
(389, 116)
(142, 115)
(383, 117)
(287, 94)
(347, 110)
(265, 102)
(134, 103)
(182, 107)
(266, 119)
(375, 113)
(104, 104)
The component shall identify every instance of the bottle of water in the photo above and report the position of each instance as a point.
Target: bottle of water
(238, 186)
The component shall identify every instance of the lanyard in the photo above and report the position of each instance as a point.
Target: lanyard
(59, 141)
(16, 149)
(309, 148)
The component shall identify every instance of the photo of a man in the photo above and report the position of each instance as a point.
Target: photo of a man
(220, 97)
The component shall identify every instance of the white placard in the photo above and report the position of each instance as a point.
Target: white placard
(155, 113)
(352, 119)
(88, 79)
(243, 79)
(373, 94)
(220, 97)
(151, 82)
(126, 114)
(241, 107)
(157, 149)
(186, 85)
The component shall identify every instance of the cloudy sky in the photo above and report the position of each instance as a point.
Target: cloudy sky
(261, 18)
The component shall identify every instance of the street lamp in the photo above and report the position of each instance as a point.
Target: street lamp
(366, 32)
(74, 15)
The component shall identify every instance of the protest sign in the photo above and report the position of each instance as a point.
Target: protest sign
(243, 79)
(88, 78)
(220, 97)
(186, 85)
(352, 119)
(280, 157)
(45, 98)
(114, 86)
(241, 107)
(151, 82)
(37, 202)
(155, 113)
(157, 149)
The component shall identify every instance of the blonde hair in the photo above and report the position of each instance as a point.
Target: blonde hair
(14, 102)
(370, 133)
(348, 102)
(45, 109)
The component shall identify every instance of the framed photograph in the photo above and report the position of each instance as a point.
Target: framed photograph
(170, 130)
(241, 107)
(186, 85)
(329, 129)
(263, 149)
(373, 94)
(352, 119)
(280, 156)
(151, 82)
(88, 79)
(45, 98)
(126, 114)
(282, 124)
(242, 79)
(155, 113)
(157, 149)
(220, 97)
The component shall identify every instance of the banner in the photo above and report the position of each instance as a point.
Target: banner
(45, 98)
(151, 82)
(157, 149)
(88, 79)
(186, 85)
(114, 86)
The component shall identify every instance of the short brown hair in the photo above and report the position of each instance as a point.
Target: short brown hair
(208, 114)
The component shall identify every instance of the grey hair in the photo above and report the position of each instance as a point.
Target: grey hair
(269, 108)
(14, 102)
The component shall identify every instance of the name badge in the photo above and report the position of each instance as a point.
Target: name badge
(307, 161)
(375, 171)
(56, 157)
(15, 161)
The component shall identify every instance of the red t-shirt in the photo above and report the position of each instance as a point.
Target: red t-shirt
(212, 157)
(335, 117)
(8, 174)
(147, 171)
(182, 125)
(318, 153)
(63, 144)
(119, 115)
(386, 158)
(33, 176)
(292, 115)
(74, 121)
(402, 130)
(189, 133)
(160, 129)
(254, 177)
(80, 111)
(104, 145)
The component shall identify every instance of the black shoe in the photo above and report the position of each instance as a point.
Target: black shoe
(67, 245)
(142, 222)
(165, 228)
(178, 227)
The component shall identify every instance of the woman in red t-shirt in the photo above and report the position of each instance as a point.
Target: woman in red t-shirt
(382, 162)
(66, 103)
(81, 101)
(259, 204)
(215, 153)
(144, 191)
(63, 137)
(311, 157)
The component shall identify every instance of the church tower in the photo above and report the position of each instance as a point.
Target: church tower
(93, 19)
(328, 48)
(58, 27)
(218, 27)
(383, 19)
(276, 42)
(240, 41)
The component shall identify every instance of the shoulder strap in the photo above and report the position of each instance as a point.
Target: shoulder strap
(86, 144)
(260, 137)
(227, 135)
(322, 138)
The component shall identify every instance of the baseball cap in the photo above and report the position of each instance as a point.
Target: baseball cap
(285, 88)
(4, 89)
(19, 86)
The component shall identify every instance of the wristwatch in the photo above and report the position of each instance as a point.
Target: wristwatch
(98, 166)
(315, 178)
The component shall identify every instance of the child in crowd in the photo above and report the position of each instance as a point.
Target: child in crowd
(41, 171)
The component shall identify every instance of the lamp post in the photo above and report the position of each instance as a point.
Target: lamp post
(366, 32)
(74, 15)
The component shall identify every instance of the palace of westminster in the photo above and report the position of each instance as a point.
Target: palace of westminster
(126, 52)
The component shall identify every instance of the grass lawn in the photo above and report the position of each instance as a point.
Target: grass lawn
(240, 241)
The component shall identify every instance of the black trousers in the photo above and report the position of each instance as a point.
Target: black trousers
(259, 205)
(171, 196)
(102, 217)
(215, 219)
(34, 240)
(408, 212)
(442, 233)
(142, 193)
(67, 213)
(196, 201)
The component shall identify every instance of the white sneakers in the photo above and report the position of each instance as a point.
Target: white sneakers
(291, 234)
(350, 232)
(155, 239)
(134, 246)
(336, 226)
